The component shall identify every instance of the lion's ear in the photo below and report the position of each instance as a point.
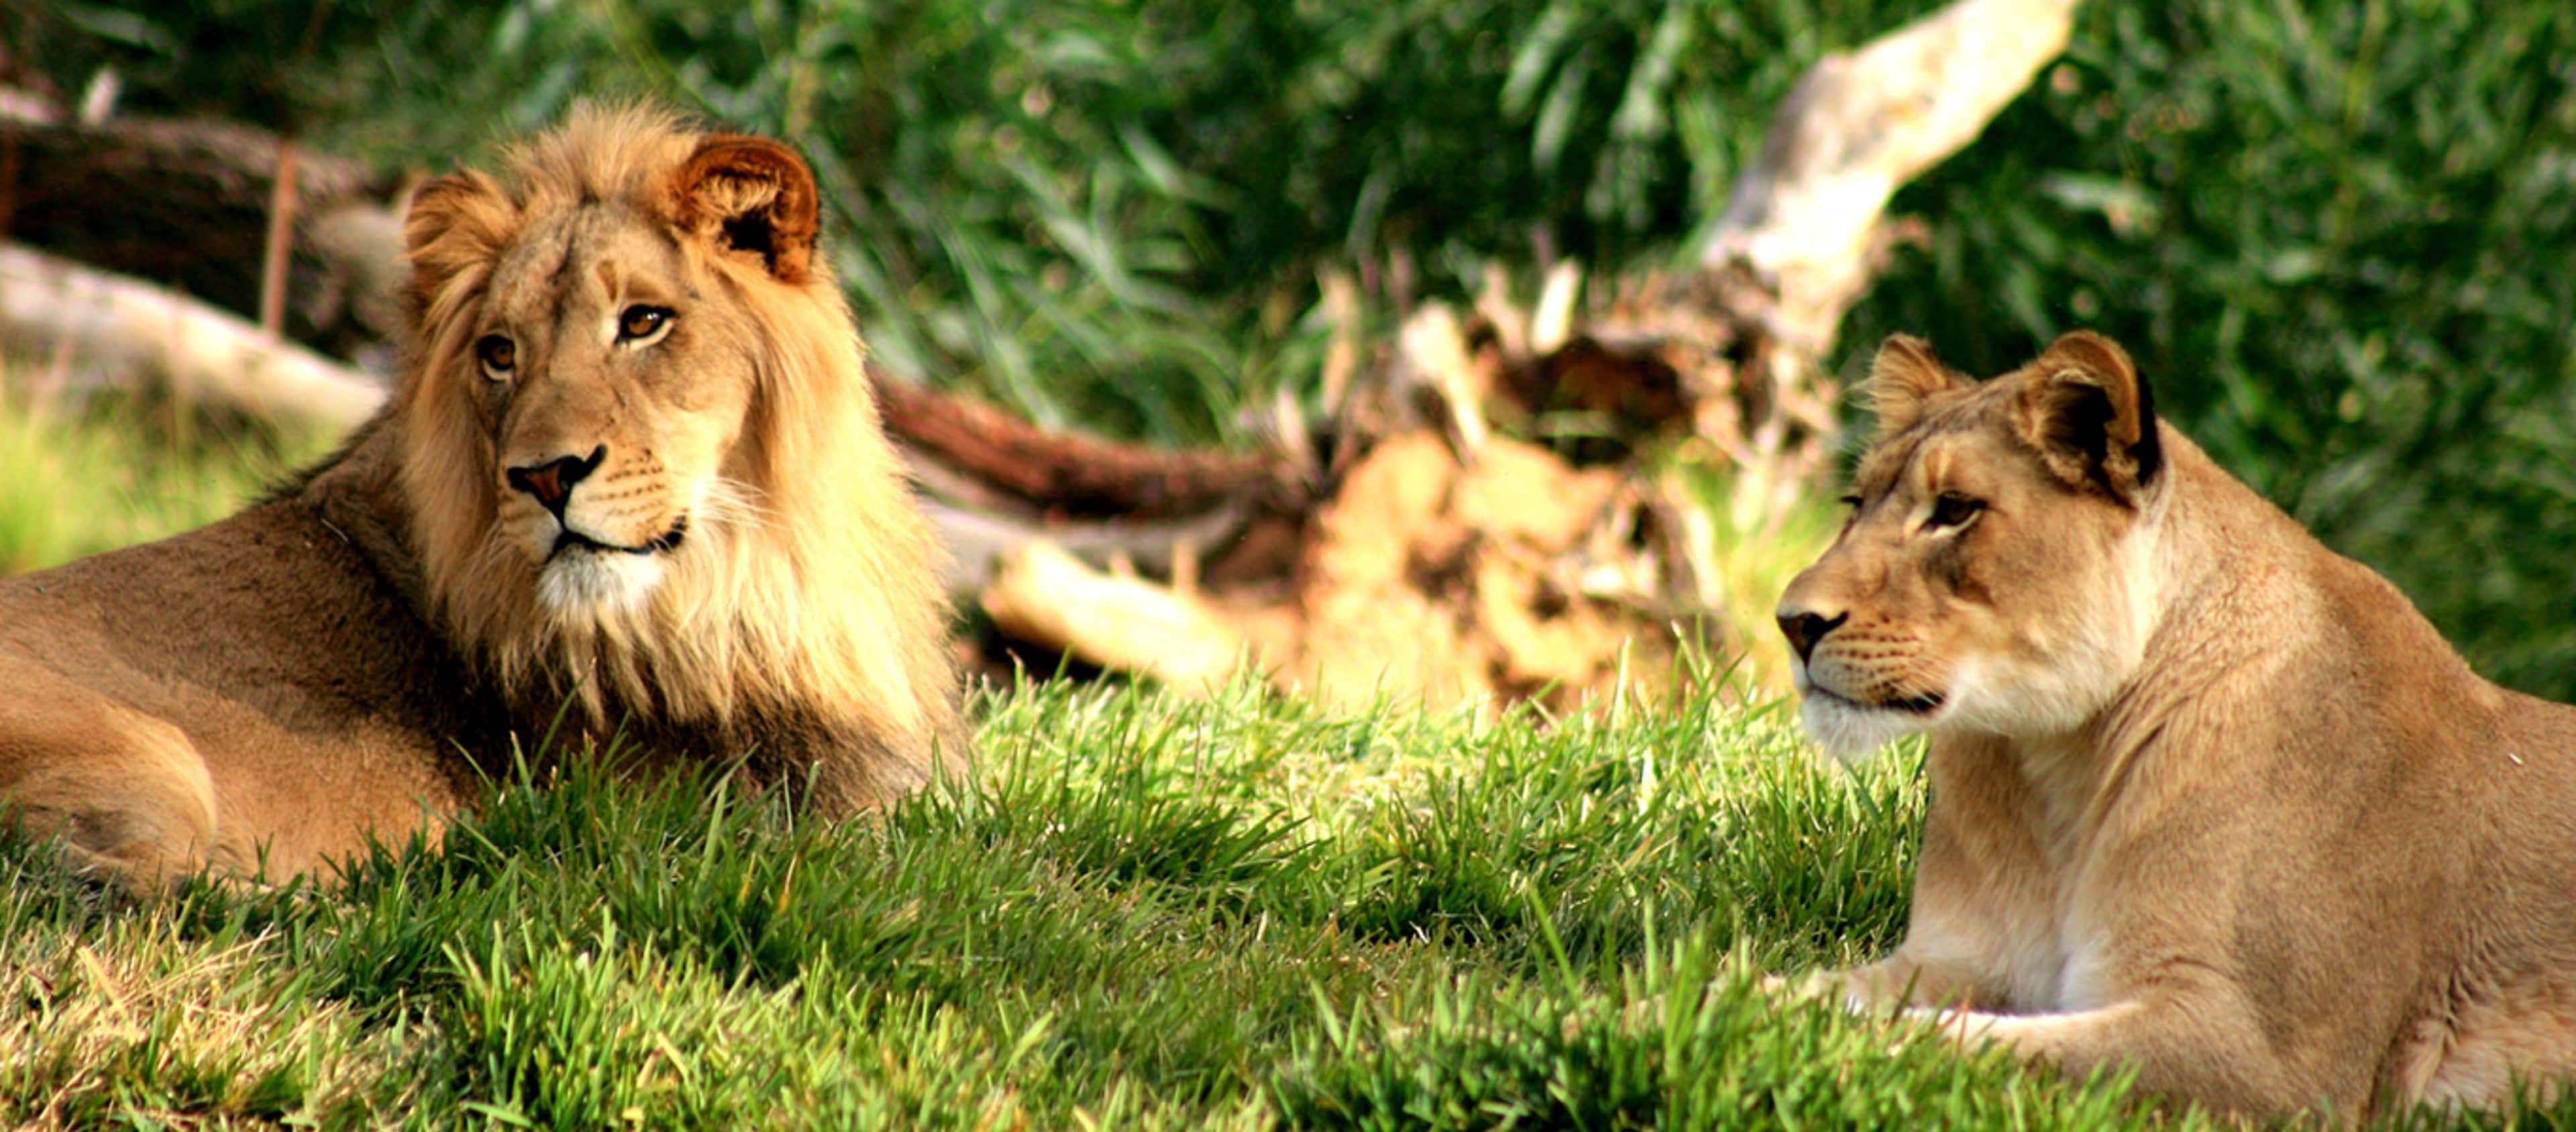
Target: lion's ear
(2091, 416)
(1901, 378)
(750, 196)
(455, 221)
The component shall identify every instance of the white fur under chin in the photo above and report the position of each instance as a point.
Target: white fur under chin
(1851, 733)
(595, 584)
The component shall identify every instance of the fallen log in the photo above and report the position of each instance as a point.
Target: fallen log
(1803, 218)
(193, 203)
(108, 323)
(1061, 474)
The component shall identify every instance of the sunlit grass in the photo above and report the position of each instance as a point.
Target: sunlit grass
(77, 480)
(1144, 911)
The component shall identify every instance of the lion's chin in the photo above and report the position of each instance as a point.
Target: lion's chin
(590, 584)
(1853, 733)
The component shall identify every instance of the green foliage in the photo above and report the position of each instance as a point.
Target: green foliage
(1099, 211)
(2330, 233)
(2326, 229)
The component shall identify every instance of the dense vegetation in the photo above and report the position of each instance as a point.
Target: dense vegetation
(2330, 229)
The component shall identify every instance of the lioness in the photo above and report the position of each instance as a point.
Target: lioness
(2207, 798)
(632, 462)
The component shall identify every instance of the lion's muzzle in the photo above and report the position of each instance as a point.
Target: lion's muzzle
(551, 482)
(570, 539)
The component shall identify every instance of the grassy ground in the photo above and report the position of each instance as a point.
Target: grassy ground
(1142, 912)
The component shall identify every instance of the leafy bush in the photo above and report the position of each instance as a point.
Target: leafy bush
(2328, 230)
(2331, 233)
(1099, 211)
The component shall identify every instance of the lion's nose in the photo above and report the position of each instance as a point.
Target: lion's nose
(1805, 627)
(552, 482)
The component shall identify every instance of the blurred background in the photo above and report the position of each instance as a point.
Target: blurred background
(2335, 235)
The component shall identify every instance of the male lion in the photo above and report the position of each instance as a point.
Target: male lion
(632, 464)
(2207, 798)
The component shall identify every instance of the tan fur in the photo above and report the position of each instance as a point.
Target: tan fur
(269, 691)
(2207, 798)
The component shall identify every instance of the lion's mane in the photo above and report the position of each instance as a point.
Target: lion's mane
(812, 596)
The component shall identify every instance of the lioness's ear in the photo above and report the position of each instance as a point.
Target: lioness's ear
(2091, 416)
(750, 195)
(455, 221)
(1901, 377)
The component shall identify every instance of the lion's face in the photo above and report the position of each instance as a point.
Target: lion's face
(594, 344)
(612, 401)
(1991, 576)
(637, 441)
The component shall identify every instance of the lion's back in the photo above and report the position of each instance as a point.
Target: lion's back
(275, 652)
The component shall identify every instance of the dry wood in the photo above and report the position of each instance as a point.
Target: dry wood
(191, 208)
(1857, 127)
(1427, 578)
(276, 249)
(1041, 594)
(127, 329)
(1064, 474)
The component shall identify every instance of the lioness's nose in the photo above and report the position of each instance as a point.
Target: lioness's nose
(1805, 627)
(552, 481)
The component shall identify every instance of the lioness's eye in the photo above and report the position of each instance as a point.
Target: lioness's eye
(1852, 500)
(1951, 510)
(641, 322)
(499, 356)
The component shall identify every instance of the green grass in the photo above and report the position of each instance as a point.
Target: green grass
(1141, 912)
(79, 481)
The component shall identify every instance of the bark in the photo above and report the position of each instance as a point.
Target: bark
(1013, 463)
(1857, 127)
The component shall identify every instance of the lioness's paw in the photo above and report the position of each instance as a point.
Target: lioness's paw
(1816, 986)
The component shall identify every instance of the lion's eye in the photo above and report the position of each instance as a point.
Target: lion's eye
(1953, 510)
(499, 356)
(1852, 500)
(641, 322)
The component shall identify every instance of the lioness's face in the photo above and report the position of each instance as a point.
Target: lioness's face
(1988, 578)
(610, 399)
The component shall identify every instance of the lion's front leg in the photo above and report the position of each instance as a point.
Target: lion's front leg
(1891, 984)
(126, 792)
(2202, 1042)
